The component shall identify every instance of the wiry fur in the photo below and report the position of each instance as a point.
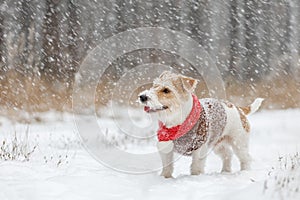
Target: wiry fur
(178, 101)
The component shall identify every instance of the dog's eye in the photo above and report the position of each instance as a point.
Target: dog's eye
(166, 90)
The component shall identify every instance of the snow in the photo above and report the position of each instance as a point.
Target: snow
(61, 169)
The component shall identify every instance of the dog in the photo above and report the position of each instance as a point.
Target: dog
(193, 127)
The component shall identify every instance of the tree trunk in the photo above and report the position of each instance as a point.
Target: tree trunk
(51, 47)
(2, 41)
(234, 48)
(26, 22)
(251, 64)
(73, 57)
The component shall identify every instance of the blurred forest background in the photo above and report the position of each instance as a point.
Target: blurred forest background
(254, 43)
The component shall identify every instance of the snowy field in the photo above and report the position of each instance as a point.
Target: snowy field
(59, 168)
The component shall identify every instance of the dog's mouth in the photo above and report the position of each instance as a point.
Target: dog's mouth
(151, 110)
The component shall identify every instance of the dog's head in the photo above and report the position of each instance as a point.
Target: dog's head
(170, 93)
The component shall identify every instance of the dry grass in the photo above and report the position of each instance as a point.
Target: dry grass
(31, 94)
(17, 148)
(284, 179)
(279, 93)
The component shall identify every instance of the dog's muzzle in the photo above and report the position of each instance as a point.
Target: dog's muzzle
(143, 98)
(151, 110)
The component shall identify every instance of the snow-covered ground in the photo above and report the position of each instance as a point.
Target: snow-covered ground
(59, 168)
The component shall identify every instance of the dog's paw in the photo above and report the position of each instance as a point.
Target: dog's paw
(196, 169)
(166, 175)
(195, 173)
(245, 167)
(226, 170)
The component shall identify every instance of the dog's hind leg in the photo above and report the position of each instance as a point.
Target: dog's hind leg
(224, 151)
(240, 146)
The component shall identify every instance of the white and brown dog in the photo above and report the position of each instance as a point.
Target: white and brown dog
(192, 127)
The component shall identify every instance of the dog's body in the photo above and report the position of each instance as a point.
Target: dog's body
(219, 125)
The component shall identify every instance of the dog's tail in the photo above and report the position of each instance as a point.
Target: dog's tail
(248, 110)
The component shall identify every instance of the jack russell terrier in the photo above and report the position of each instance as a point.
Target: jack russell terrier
(193, 127)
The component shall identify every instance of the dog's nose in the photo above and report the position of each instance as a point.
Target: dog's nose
(143, 98)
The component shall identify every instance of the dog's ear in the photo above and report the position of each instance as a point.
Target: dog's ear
(189, 83)
(165, 73)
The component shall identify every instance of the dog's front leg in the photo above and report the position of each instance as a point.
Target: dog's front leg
(198, 160)
(166, 154)
(167, 161)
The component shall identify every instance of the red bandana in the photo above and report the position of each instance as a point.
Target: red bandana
(166, 134)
